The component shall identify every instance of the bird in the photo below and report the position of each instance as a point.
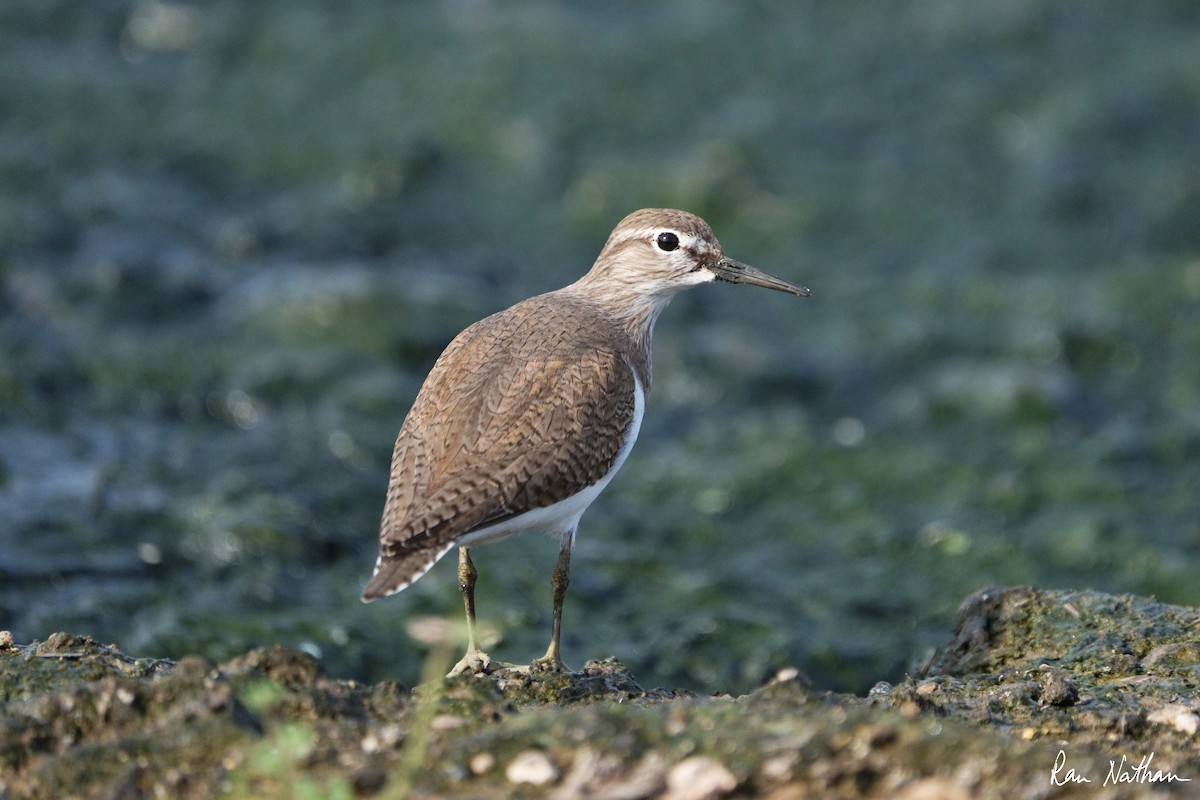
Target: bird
(528, 414)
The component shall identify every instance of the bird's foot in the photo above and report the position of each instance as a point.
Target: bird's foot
(475, 662)
(548, 664)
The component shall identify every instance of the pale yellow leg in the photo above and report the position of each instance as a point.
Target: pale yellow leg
(475, 660)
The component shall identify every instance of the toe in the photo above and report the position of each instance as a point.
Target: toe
(474, 662)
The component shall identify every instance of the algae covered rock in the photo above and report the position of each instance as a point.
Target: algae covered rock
(1038, 694)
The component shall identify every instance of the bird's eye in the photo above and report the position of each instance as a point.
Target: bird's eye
(667, 241)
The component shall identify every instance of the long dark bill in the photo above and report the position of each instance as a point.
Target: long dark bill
(731, 271)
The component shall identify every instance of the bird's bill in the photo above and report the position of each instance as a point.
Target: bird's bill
(731, 271)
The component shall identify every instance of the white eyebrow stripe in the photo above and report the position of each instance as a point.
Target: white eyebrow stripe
(646, 233)
(641, 233)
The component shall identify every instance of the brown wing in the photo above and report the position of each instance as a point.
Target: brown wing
(521, 411)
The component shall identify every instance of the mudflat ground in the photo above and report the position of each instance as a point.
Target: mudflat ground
(1038, 695)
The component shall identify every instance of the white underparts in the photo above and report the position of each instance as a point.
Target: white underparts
(558, 520)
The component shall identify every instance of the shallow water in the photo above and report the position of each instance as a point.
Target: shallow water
(233, 240)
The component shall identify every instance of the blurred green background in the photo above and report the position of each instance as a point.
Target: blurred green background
(235, 236)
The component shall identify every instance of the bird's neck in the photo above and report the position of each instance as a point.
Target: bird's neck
(626, 293)
(633, 311)
(630, 306)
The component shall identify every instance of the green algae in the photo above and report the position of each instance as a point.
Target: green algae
(64, 659)
(1085, 663)
(219, 295)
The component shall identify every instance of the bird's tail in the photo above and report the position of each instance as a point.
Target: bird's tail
(394, 573)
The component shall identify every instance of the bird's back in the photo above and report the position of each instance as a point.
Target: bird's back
(523, 409)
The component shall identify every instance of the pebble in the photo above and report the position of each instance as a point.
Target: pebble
(787, 674)
(386, 737)
(601, 775)
(933, 789)
(533, 767)
(1057, 690)
(447, 722)
(482, 763)
(1179, 717)
(699, 778)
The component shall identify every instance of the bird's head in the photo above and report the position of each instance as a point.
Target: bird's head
(655, 253)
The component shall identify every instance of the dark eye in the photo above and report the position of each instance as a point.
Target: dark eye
(667, 241)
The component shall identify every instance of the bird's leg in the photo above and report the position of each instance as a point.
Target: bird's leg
(559, 580)
(466, 584)
(475, 660)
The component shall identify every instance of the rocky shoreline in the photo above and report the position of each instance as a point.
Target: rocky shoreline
(1039, 694)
